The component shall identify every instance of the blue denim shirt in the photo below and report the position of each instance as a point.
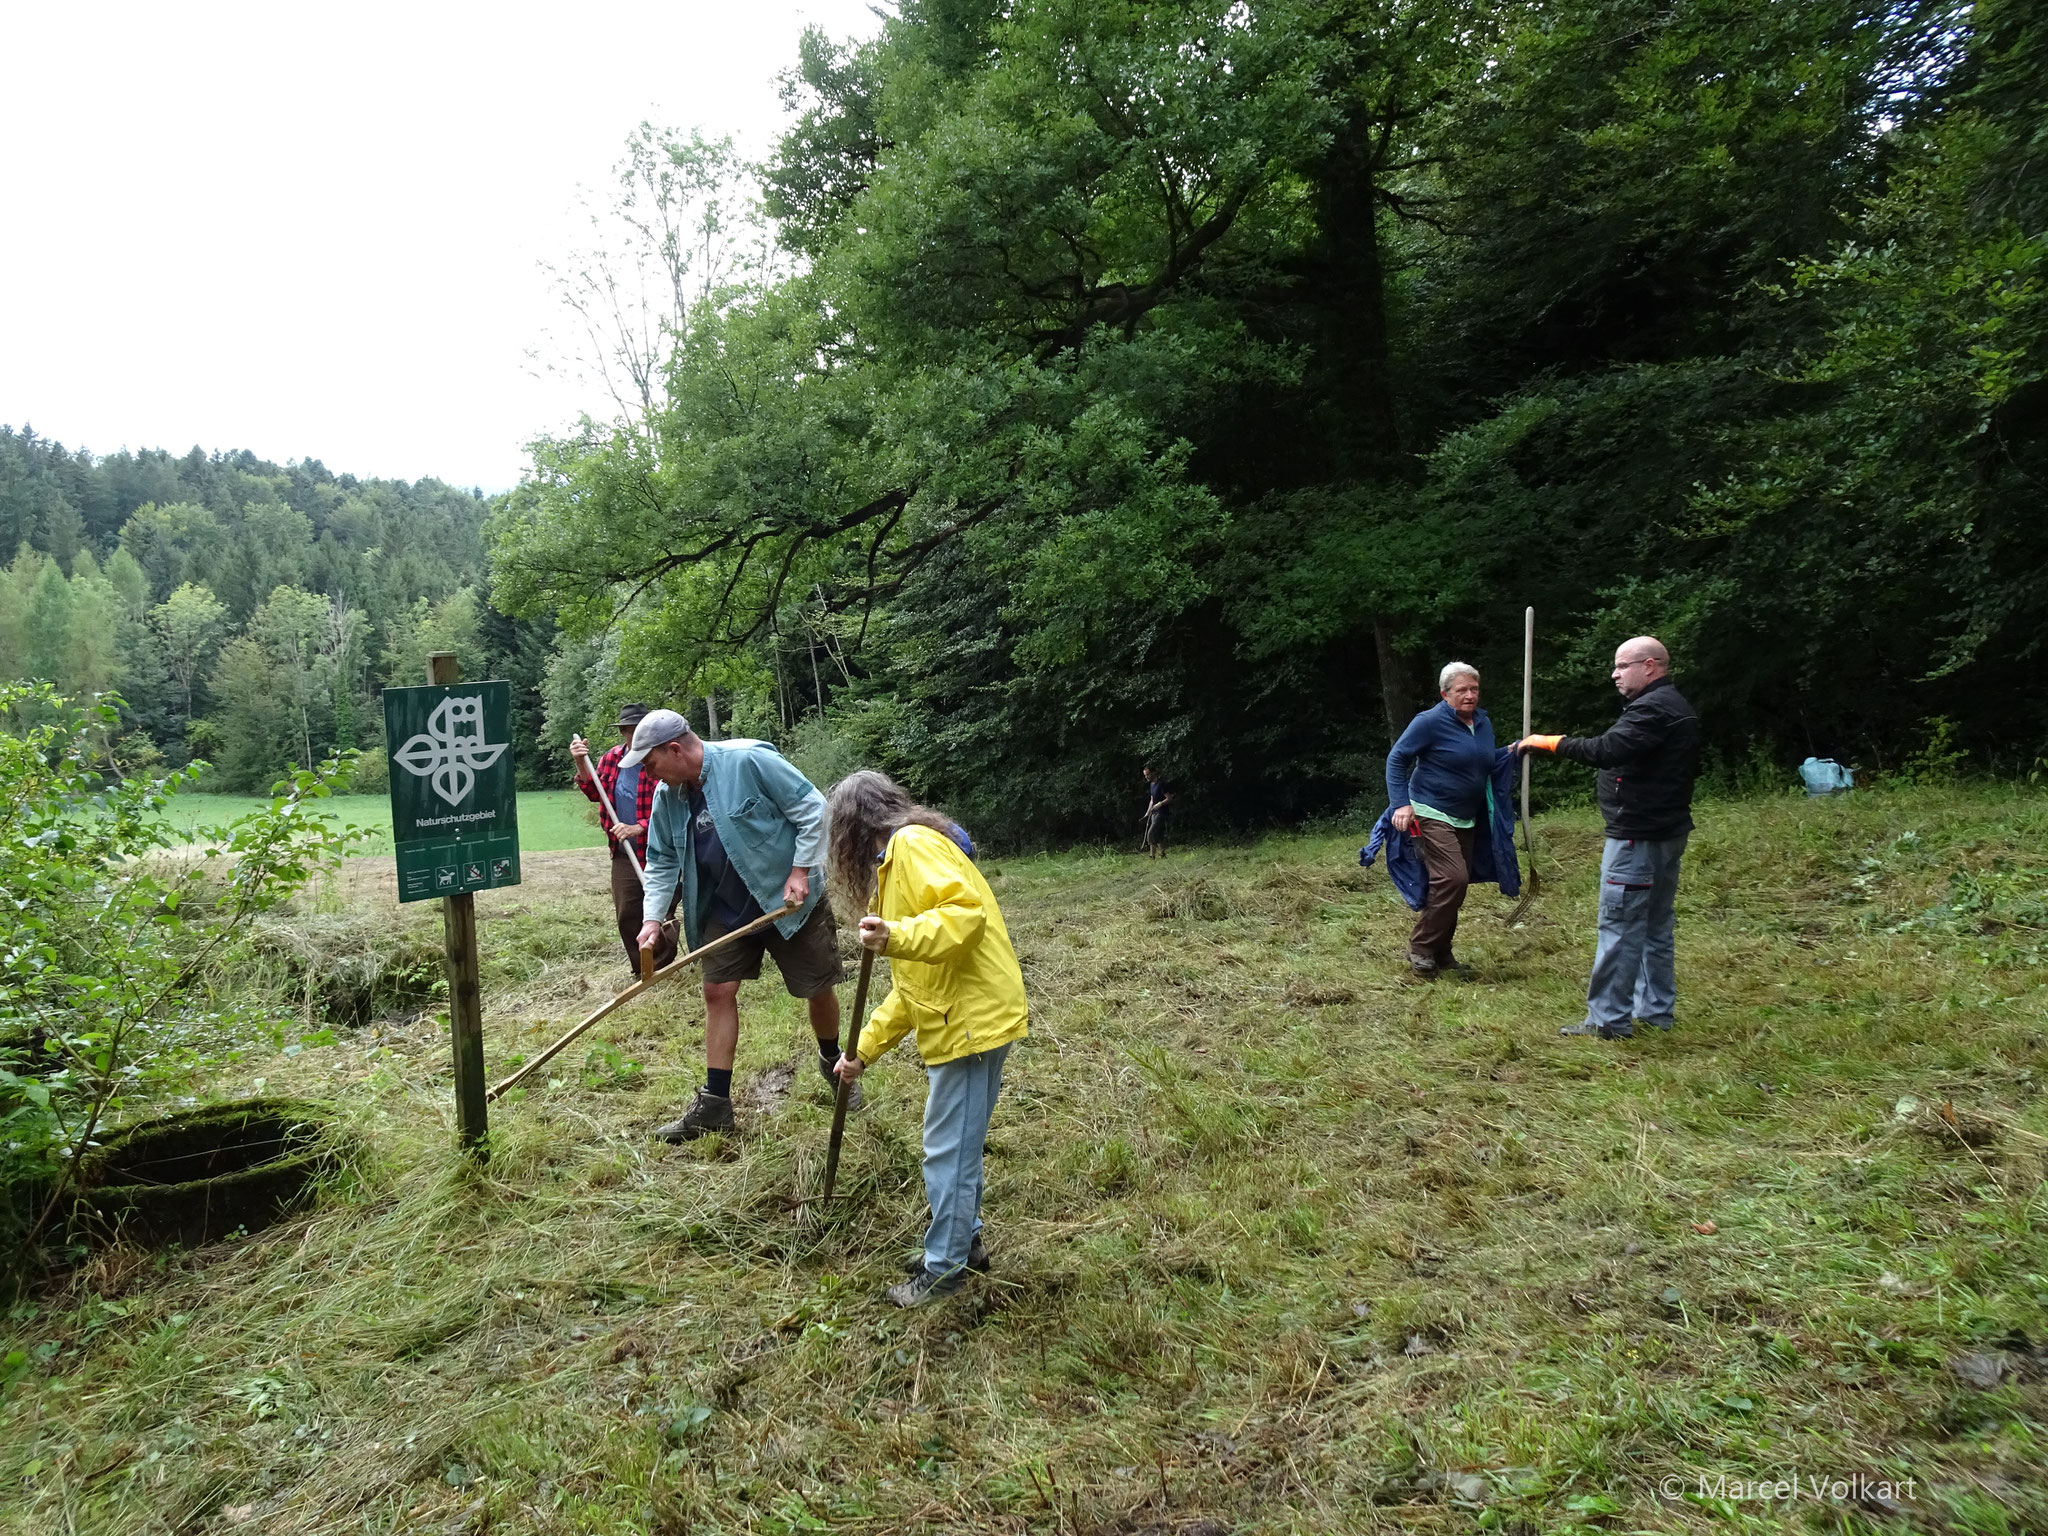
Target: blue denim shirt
(770, 818)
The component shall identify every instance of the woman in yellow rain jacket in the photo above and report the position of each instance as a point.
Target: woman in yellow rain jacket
(955, 982)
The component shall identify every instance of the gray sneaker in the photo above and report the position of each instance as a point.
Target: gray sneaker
(1618, 1032)
(707, 1113)
(922, 1287)
(854, 1100)
(977, 1260)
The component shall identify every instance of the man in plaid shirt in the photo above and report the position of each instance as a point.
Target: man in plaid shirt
(630, 794)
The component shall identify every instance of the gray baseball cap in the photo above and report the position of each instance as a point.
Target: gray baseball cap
(656, 727)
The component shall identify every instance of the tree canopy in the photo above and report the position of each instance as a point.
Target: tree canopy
(1188, 381)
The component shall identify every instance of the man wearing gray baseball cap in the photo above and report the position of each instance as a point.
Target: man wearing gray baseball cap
(742, 832)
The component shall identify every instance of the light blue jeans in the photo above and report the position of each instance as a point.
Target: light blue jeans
(956, 1115)
(1635, 969)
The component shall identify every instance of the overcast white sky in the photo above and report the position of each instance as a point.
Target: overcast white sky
(313, 230)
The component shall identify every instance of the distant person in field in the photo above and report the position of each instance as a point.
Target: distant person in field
(1647, 764)
(1442, 794)
(1158, 796)
(954, 982)
(630, 794)
(741, 832)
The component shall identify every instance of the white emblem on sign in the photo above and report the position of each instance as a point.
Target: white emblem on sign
(451, 751)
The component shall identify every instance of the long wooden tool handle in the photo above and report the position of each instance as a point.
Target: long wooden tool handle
(1528, 695)
(1528, 724)
(648, 980)
(610, 818)
(860, 1007)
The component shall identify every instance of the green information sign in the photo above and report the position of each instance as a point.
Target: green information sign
(454, 813)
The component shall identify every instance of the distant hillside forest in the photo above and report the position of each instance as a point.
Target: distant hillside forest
(246, 612)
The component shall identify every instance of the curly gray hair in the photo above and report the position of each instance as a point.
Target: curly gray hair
(1452, 671)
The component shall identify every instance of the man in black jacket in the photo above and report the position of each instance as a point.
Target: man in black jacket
(1647, 764)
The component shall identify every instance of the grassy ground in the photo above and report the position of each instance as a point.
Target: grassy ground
(1284, 1242)
(549, 820)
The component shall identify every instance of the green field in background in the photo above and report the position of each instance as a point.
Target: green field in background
(548, 819)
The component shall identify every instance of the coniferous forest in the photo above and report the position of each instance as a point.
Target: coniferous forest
(245, 613)
(1081, 384)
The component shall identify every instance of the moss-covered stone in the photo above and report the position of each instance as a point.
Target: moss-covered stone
(194, 1177)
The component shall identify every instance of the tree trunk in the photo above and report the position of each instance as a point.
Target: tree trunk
(1355, 357)
(711, 711)
(1397, 686)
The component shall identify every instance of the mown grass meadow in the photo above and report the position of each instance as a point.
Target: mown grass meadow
(1284, 1242)
(549, 820)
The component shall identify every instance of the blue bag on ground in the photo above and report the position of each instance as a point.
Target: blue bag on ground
(1825, 776)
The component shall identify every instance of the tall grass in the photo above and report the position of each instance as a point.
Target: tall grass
(1284, 1241)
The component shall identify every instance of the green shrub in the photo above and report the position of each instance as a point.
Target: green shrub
(104, 935)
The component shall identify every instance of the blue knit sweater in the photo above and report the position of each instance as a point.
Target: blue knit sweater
(1442, 764)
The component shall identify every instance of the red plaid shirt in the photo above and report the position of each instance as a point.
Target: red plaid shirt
(607, 770)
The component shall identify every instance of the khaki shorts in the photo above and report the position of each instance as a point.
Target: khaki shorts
(808, 959)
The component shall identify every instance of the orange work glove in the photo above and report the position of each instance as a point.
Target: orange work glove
(1540, 743)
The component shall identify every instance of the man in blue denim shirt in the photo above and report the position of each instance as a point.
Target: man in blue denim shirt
(742, 833)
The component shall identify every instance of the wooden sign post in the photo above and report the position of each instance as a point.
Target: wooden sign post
(465, 990)
(455, 824)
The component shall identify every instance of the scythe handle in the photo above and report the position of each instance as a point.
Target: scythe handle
(649, 978)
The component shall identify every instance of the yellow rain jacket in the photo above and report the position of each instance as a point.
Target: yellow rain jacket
(956, 980)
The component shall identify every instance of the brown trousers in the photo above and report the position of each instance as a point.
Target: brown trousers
(1447, 855)
(626, 902)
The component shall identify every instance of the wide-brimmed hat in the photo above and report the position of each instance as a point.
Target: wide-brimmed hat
(657, 727)
(630, 715)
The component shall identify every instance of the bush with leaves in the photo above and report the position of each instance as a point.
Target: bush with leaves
(105, 941)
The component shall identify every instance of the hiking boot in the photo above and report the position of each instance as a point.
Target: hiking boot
(977, 1260)
(1663, 1024)
(1424, 967)
(854, 1101)
(707, 1113)
(1618, 1032)
(923, 1286)
(1450, 965)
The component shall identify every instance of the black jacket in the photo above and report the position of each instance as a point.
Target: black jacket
(1647, 764)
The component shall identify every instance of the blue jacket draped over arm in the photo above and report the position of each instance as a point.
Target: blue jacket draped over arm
(1493, 856)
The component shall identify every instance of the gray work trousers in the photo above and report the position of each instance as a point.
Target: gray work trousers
(1635, 969)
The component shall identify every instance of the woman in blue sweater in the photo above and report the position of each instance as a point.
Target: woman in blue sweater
(1439, 784)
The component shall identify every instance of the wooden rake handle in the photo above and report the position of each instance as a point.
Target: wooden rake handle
(610, 818)
(844, 1089)
(649, 977)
